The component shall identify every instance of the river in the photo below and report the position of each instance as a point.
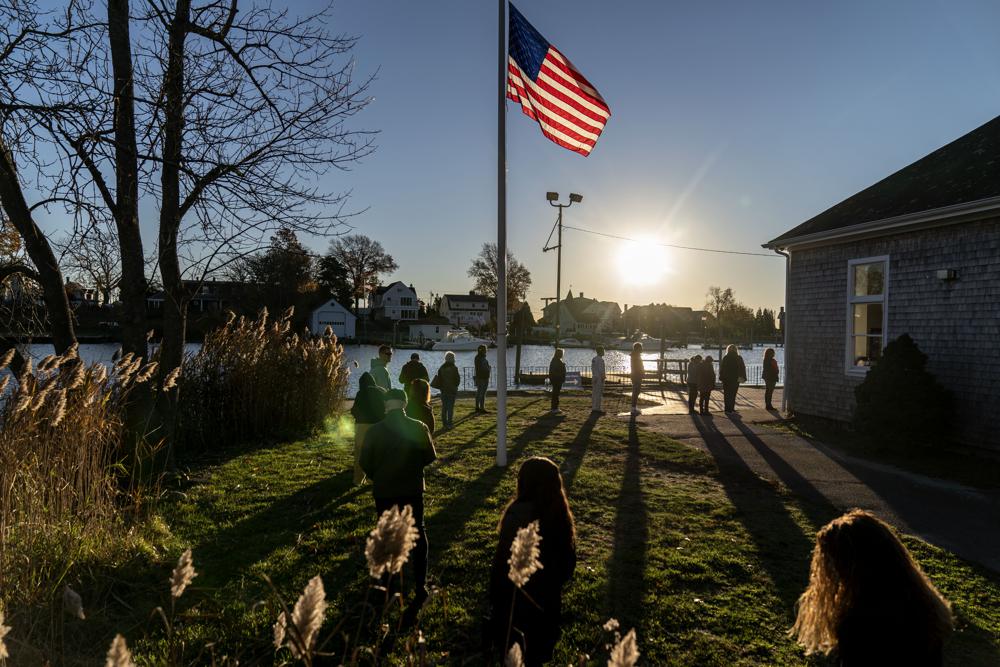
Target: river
(534, 358)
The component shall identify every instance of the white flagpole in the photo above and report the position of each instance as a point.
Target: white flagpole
(501, 371)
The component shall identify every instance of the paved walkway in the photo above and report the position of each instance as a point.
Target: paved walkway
(962, 519)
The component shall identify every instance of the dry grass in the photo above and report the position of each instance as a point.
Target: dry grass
(67, 465)
(255, 379)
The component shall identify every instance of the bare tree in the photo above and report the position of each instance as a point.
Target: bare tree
(365, 261)
(33, 95)
(92, 257)
(485, 272)
(247, 104)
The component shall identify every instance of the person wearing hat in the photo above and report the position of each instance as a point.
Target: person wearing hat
(412, 370)
(395, 452)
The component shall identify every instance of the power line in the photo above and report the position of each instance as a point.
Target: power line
(672, 245)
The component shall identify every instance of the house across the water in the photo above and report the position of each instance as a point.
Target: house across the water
(916, 253)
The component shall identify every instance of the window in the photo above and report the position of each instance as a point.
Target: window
(409, 314)
(406, 301)
(867, 311)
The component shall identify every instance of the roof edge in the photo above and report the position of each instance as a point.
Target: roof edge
(946, 214)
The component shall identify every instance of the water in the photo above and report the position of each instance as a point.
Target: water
(534, 358)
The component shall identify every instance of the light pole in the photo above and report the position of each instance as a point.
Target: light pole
(553, 199)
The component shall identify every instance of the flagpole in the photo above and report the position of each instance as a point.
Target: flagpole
(502, 236)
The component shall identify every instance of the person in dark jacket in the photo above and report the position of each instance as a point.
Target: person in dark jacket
(412, 370)
(706, 383)
(418, 403)
(482, 377)
(692, 382)
(447, 381)
(534, 623)
(557, 376)
(394, 455)
(868, 602)
(368, 409)
(770, 377)
(638, 372)
(732, 371)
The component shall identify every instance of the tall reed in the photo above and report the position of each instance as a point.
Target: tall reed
(254, 379)
(65, 456)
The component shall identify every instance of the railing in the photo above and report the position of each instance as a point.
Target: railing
(671, 371)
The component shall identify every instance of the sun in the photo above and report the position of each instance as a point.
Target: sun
(642, 263)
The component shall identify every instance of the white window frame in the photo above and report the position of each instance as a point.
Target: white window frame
(852, 300)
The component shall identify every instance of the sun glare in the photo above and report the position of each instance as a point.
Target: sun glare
(642, 263)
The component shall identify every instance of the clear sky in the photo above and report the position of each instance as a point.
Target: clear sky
(732, 121)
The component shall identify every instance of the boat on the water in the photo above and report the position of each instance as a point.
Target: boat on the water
(649, 344)
(459, 340)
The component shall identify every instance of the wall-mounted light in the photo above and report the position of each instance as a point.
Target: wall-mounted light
(946, 274)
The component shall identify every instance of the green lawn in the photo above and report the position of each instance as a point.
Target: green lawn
(706, 566)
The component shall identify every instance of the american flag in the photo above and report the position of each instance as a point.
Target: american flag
(551, 90)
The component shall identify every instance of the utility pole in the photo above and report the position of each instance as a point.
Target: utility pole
(553, 199)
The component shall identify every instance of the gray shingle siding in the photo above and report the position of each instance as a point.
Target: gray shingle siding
(956, 323)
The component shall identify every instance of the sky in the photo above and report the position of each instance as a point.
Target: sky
(731, 123)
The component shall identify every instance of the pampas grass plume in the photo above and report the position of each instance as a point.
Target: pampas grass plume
(389, 545)
(183, 574)
(279, 629)
(118, 654)
(626, 652)
(524, 554)
(4, 629)
(514, 657)
(307, 616)
(7, 358)
(171, 380)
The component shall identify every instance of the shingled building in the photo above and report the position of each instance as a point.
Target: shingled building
(916, 253)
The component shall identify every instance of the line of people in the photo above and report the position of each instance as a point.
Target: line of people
(701, 379)
(867, 601)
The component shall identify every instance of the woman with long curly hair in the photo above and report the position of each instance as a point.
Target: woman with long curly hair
(868, 602)
(534, 620)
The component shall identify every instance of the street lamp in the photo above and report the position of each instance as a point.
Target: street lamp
(553, 199)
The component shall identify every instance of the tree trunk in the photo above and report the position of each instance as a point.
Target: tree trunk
(175, 303)
(48, 274)
(133, 282)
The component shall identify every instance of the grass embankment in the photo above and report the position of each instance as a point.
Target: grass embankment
(706, 566)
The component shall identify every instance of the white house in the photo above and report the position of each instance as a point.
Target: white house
(337, 317)
(466, 310)
(395, 302)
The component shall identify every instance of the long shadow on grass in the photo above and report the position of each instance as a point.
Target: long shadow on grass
(447, 522)
(577, 450)
(460, 450)
(783, 548)
(228, 552)
(626, 580)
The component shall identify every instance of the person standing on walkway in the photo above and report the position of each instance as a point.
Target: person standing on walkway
(418, 403)
(638, 370)
(482, 377)
(557, 376)
(868, 602)
(368, 409)
(692, 382)
(412, 370)
(531, 616)
(394, 455)
(380, 367)
(447, 381)
(706, 383)
(732, 371)
(597, 374)
(770, 377)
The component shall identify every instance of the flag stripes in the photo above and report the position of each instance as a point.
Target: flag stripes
(551, 91)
